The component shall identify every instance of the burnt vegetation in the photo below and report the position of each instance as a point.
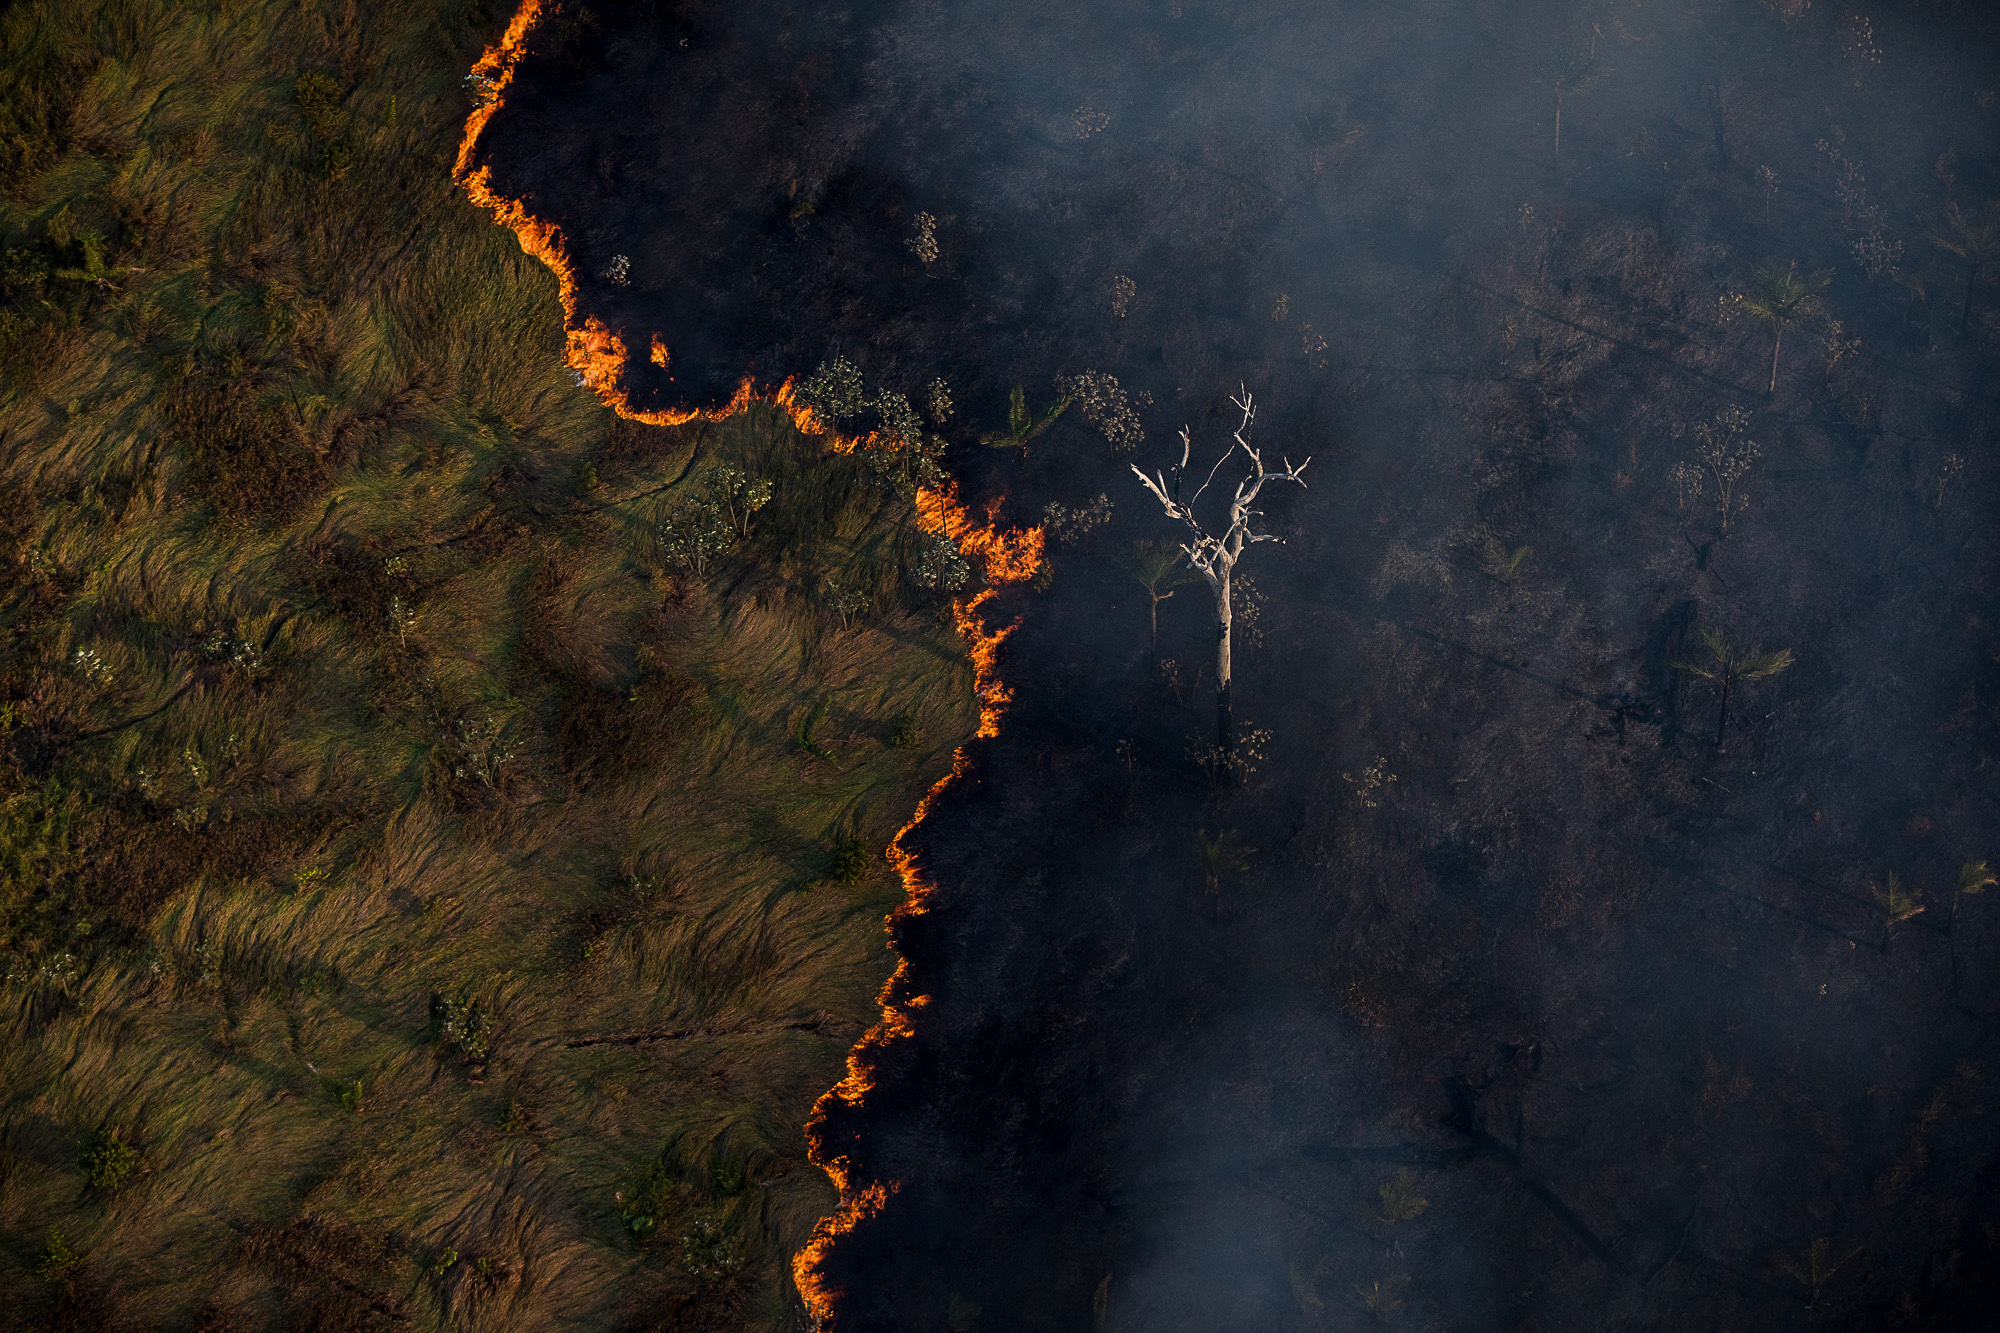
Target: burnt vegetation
(1625, 688)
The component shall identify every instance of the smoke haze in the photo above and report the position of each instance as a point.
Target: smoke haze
(1526, 983)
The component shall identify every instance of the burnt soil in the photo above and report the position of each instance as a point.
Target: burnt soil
(1495, 908)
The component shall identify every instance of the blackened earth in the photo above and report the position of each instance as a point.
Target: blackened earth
(1630, 1007)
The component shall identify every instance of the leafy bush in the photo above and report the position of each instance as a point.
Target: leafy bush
(110, 1163)
(835, 391)
(942, 569)
(319, 97)
(711, 1252)
(850, 861)
(59, 1258)
(462, 1025)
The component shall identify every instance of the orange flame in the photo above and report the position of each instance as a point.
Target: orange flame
(1010, 555)
(598, 355)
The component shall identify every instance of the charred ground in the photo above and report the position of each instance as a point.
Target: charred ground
(1502, 995)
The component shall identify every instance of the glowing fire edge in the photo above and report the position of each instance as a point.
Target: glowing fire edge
(598, 355)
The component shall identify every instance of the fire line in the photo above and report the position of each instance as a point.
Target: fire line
(598, 355)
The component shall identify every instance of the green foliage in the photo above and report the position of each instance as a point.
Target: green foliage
(651, 1201)
(1504, 564)
(446, 1260)
(461, 1023)
(1220, 855)
(835, 391)
(850, 861)
(1732, 664)
(1975, 877)
(901, 427)
(59, 1258)
(693, 539)
(1780, 295)
(38, 849)
(738, 496)
(109, 1163)
(1384, 1296)
(1730, 667)
(1023, 425)
(903, 731)
(843, 600)
(1569, 70)
(1899, 901)
(1974, 237)
(942, 569)
(712, 1251)
(1156, 567)
(706, 528)
(1399, 1200)
(319, 98)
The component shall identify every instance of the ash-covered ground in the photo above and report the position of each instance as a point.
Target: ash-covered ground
(1520, 986)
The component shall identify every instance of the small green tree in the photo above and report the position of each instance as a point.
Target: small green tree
(1023, 425)
(1815, 1268)
(1219, 856)
(1400, 1201)
(1730, 667)
(1898, 900)
(1155, 567)
(1973, 237)
(110, 1163)
(1568, 72)
(1781, 298)
(59, 1258)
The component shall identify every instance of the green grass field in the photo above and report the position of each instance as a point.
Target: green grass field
(439, 821)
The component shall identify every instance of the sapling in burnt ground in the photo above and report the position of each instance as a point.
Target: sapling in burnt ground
(1732, 666)
(1213, 556)
(1568, 73)
(1899, 901)
(1022, 424)
(1781, 298)
(1975, 238)
(1156, 568)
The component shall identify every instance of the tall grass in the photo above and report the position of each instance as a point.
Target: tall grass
(343, 670)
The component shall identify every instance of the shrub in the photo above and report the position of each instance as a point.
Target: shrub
(835, 391)
(319, 97)
(710, 1251)
(109, 1164)
(942, 570)
(59, 1258)
(850, 860)
(463, 1025)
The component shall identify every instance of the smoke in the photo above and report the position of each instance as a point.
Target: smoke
(1625, 1005)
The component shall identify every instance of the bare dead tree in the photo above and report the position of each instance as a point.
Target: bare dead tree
(1215, 556)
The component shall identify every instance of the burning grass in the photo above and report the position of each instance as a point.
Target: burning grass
(599, 357)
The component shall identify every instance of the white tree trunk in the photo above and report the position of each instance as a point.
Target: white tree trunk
(1225, 734)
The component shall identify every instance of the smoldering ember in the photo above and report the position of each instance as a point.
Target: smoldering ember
(1396, 604)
